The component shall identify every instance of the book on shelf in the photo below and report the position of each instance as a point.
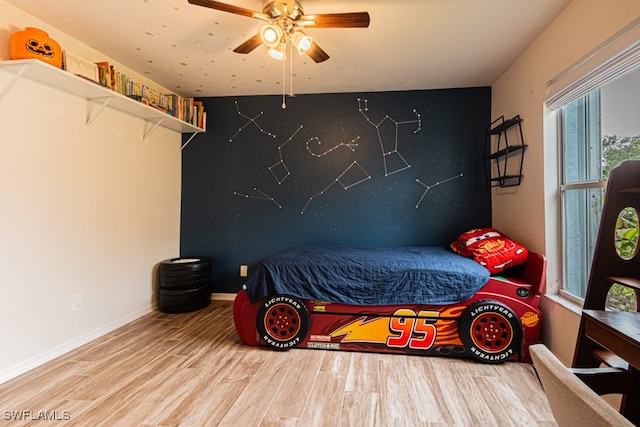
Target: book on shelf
(79, 66)
(204, 121)
(104, 74)
(198, 114)
(183, 108)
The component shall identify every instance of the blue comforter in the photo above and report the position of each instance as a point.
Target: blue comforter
(369, 275)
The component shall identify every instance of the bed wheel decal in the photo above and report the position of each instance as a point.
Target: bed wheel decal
(490, 331)
(283, 321)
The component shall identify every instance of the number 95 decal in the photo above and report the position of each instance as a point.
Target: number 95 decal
(416, 331)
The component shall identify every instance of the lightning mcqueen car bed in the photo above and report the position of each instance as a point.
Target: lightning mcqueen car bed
(427, 301)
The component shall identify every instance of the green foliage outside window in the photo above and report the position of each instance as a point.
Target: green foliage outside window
(616, 149)
(626, 233)
(621, 298)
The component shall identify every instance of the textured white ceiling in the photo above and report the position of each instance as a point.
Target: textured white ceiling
(410, 44)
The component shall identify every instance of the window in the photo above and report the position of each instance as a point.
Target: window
(582, 189)
(598, 100)
(599, 130)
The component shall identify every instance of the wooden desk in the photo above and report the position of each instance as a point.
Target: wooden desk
(618, 332)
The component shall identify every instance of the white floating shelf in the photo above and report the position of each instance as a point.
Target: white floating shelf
(42, 72)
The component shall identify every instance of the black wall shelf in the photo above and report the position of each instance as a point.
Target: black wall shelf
(499, 171)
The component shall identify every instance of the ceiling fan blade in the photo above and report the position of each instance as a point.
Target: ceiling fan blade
(226, 7)
(249, 45)
(335, 20)
(316, 53)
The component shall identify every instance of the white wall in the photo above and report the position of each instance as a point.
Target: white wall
(529, 213)
(84, 210)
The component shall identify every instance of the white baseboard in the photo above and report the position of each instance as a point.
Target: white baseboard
(223, 297)
(47, 356)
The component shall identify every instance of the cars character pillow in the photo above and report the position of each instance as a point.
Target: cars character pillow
(490, 248)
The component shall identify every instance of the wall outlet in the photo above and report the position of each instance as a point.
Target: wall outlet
(244, 271)
(77, 302)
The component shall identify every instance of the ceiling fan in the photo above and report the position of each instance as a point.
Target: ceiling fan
(284, 21)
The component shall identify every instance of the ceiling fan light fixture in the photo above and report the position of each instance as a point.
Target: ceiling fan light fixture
(301, 42)
(278, 52)
(271, 35)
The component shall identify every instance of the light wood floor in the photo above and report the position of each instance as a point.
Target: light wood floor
(191, 369)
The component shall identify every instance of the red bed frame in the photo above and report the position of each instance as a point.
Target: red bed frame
(498, 323)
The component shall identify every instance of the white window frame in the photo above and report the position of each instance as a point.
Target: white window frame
(587, 127)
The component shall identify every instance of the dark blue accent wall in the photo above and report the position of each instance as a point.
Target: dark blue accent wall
(381, 169)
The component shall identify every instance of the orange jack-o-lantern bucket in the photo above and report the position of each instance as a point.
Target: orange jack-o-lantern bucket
(35, 43)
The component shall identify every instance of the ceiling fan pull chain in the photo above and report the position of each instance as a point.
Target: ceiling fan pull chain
(291, 71)
(284, 82)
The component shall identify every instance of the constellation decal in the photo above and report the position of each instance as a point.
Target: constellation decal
(393, 160)
(429, 187)
(350, 145)
(348, 178)
(250, 120)
(279, 169)
(262, 196)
